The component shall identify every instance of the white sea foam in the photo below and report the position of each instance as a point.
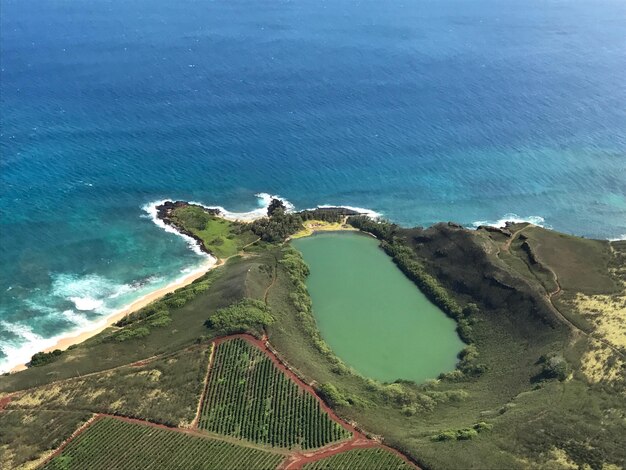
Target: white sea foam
(264, 200)
(360, 210)
(620, 238)
(87, 293)
(151, 210)
(533, 219)
(87, 303)
(20, 351)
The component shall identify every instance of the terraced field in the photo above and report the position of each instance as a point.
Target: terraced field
(248, 397)
(366, 459)
(111, 443)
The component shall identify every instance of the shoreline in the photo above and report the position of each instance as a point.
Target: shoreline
(71, 339)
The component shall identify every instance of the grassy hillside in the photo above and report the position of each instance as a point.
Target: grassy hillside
(219, 236)
(540, 384)
(530, 393)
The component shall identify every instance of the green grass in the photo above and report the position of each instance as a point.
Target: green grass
(221, 237)
(27, 435)
(366, 459)
(164, 390)
(581, 264)
(113, 444)
(510, 339)
(534, 422)
(248, 397)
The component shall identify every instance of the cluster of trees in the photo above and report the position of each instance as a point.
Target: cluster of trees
(43, 358)
(158, 311)
(134, 332)
(381, 229)
(278, 225)
(192, 217)
(245, 316)
(331, 215)
(553, 366)
(462, 434)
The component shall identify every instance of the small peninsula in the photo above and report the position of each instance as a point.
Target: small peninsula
(259, 361)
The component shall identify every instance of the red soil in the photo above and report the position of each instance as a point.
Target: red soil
(74, 435)
(205, 385)
(5, 401)
(295, 460)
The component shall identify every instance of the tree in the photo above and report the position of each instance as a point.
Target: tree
(276, 207)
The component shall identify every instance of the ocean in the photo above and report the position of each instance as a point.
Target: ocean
(423, 111)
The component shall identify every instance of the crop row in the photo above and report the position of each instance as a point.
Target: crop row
(110, 443)
(248, 397)
(362, 459)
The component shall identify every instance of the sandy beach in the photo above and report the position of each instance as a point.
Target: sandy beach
(67, 341)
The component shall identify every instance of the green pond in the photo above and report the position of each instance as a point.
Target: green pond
(372, 316)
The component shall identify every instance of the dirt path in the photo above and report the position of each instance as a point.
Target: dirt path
(507, 246)
(274, 277)
(577, 331)
(205, 385)
(299, 459)
(74, 435)
(296, 460)
(293, 460)
(550, 296)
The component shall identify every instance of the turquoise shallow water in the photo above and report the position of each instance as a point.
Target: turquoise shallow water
(423, 111)
(372, 315)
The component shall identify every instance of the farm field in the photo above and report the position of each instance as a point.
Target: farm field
(366, 459)
(111, 443)
(524, 392)
(27, 437)
(248, 397)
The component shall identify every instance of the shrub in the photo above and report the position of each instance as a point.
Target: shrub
(131, 333)
(43, 358)
(554, 366)
(456, 435)
(465, 434)
(482, 426)
(160, 319)
(445, 436)
(245, 316)
(331, 395)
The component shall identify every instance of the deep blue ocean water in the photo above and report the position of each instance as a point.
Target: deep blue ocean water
(421, 110)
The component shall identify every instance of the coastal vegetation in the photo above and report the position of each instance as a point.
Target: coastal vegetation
(245, 316)
(220, 237)
(539, 384)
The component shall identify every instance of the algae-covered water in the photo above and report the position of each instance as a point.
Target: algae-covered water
(374, 318)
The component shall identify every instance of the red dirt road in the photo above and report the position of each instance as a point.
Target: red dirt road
(298, 459)
(294, 460)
